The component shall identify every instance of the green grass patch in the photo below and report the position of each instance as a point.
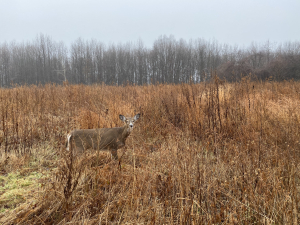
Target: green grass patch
(16, 188)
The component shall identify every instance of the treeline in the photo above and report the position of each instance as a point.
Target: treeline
(167, 61)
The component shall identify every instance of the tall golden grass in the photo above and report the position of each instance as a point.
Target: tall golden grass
(214, 153)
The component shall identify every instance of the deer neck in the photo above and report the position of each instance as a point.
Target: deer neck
(126, 132)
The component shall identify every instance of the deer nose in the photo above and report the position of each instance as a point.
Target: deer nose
(131, 125)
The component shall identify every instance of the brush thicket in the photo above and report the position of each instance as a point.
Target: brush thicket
(201, 153)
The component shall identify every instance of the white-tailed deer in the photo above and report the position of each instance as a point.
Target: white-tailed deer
(110, 139)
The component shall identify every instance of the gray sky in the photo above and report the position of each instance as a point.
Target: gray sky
(119, 21)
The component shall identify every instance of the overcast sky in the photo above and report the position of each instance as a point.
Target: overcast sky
(119, 21)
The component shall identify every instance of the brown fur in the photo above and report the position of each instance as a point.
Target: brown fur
(110, 139)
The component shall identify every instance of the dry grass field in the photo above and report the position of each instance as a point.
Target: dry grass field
(214, 153)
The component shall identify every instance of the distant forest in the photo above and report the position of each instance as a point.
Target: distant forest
(168, 61)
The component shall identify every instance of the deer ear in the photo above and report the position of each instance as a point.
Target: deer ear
(122, 117)
(137, 116)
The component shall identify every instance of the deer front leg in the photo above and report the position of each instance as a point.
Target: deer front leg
(114, 154)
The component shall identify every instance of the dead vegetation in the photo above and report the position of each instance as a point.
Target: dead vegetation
(213, 153)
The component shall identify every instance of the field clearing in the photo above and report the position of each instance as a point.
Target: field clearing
(213, 153)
